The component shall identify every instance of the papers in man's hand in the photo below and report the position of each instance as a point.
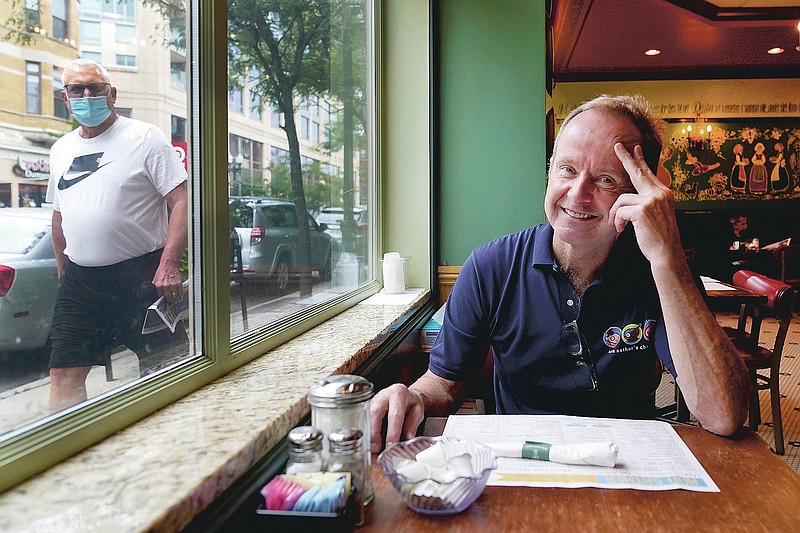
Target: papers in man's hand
(651, 454)
(163, 315)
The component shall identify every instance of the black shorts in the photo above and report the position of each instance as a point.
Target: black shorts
(99, 308)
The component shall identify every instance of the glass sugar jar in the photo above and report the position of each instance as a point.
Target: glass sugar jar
(342, 401)
(346, 454)
(305, 450)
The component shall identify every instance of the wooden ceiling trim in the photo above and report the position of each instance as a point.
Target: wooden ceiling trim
(737, 14)
(567, 22)
(674, 74)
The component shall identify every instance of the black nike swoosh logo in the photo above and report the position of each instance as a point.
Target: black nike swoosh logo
(64, 184)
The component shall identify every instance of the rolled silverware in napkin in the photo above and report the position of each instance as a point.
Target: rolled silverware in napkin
(601, 453)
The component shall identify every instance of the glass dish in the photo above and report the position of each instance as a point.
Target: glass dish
(431, 497)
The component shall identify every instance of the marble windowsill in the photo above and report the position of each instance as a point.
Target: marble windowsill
(162, 471)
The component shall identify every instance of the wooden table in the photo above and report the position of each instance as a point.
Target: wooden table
(759, 492)
(735, 295)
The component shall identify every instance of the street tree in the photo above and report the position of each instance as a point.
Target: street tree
(287, 42)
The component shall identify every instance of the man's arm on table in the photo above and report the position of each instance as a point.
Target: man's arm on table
(711, 375)
(404, 408)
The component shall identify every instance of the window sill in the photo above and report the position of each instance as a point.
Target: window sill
(162, 471)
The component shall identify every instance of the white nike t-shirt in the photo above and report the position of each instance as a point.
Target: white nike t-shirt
(110, 191)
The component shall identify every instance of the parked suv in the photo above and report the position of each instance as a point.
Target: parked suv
(269, 235)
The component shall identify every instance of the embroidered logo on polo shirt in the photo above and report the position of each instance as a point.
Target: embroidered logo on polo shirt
(632, 333)
(635, 336)
(612, 337)
(648, 328)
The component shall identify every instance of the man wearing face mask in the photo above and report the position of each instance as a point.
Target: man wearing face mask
(112, 181)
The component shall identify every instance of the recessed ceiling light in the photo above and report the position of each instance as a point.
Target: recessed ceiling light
(652, 52)
(776, 50)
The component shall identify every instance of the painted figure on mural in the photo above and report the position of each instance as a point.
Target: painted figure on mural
(779, 179)
(739, 174)
(758, 173)
(663, 174)
(699, 167)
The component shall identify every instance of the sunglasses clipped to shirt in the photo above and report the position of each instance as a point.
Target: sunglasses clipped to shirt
(97, 89)
(574, 342)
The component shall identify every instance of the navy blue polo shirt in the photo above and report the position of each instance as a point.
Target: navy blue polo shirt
(511, 296)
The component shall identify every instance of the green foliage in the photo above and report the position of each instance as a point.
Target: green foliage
(19, 24)
(172, 27)
(280, 185)
(348, 83)
(286, 40)
(317, 184)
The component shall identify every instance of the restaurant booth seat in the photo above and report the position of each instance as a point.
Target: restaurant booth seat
(779, 305)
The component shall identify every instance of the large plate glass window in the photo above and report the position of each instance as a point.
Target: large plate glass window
(300, 202)
(30, 123)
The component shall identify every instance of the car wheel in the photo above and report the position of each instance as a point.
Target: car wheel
(281, 275)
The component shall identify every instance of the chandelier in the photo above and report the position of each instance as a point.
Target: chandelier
(697, 134)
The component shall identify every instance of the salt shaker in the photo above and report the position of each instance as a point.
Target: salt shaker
(346, 454)
(342, 401)
(305, 450)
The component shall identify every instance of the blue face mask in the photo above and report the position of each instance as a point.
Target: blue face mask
(90, 111)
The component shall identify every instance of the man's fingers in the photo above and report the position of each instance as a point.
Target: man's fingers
(622, 216)
(403, 411)
(395, 419)
(378, 407)
(641, 177)
(620, 213)
(414, 417)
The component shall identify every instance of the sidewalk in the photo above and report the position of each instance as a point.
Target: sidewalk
(28, 403)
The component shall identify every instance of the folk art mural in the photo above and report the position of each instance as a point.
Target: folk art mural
(722, 164)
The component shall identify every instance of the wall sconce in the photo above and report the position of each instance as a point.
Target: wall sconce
(698, 134)
(798, 37)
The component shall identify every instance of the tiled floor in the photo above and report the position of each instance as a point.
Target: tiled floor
(789, 386)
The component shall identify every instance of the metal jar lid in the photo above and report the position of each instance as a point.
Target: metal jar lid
(303, 438)
(340, 389)
(345, 440)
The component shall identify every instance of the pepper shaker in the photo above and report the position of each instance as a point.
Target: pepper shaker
(305, 450)
(346, 454)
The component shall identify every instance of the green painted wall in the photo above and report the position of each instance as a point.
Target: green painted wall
(491, 121)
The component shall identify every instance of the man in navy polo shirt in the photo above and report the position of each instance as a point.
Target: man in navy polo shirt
(577, 310)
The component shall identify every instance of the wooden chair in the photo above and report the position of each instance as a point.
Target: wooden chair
(788, 258)
(779, 305)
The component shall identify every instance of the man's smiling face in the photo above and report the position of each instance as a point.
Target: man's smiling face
(586, 177)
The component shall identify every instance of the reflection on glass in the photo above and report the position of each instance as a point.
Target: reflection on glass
(298, 158)
(112, 229)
